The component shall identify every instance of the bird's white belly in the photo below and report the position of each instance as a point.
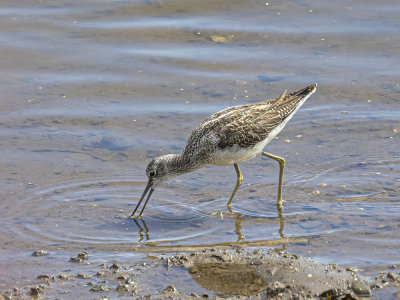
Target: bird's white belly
(235, 154)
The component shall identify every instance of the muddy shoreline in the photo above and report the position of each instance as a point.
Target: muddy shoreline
(90, 94)
(236, 272)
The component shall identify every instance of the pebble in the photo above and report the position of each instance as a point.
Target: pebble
(169, 289)
(361, 289)
(123, 277)
(219, 38)
(315, 193)
(240, 82)
(83, 255)
(123, 288)
(276, 288)
(392, 276)
(80, 257)
(257, 252)
(99, 288)
(130, 281)
(40, 253)
(84, 276)
(35, 290)
(376, 286)
(64, 275)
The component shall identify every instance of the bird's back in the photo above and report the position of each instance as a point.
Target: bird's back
(245, 126)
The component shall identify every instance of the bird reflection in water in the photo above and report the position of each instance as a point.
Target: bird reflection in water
(239, 218)
(143, 230)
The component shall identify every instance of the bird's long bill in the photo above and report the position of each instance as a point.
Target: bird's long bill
(148, 187)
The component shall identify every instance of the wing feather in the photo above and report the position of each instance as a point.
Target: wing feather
(244, 125)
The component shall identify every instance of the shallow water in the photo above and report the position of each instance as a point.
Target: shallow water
(92, 90)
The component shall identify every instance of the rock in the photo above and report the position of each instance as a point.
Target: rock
(376, 286)
(218, 38)
(360, 288)
(81, 257)
(75, 259)
(392, 276)
(64, 276)
(240, 82)
(40, 253)
(123, 277)
(123, 288)
(315, 193)
(99, 288)
(84, 276)
(130, 281)
(115, 268)
(335, 294)
(169, 289)
(276, 288)
(37, 289)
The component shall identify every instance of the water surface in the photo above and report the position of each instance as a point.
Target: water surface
(92, 90)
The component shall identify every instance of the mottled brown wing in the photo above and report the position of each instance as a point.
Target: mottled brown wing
(253, 123)
(248, 128)
(243, 125)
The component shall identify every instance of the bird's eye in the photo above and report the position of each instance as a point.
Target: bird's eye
(152, 173)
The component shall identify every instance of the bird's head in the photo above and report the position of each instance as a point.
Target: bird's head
(158, 170)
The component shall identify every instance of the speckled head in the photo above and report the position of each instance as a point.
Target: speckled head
(158, 170)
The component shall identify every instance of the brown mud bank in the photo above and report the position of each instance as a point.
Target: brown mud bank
(213, 273)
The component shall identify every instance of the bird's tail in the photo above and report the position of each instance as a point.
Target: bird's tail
(306, 92)
(288, 104)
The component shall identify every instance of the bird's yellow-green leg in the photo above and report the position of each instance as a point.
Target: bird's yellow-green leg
(238, 183)
(281, 162)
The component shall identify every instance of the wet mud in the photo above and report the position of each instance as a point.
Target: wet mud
(214, 273)
(91, 94)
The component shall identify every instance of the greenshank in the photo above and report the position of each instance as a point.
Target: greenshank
(228, 137)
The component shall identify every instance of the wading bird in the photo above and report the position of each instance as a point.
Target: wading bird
(228, 137)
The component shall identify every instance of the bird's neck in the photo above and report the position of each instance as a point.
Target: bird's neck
(180, 164)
